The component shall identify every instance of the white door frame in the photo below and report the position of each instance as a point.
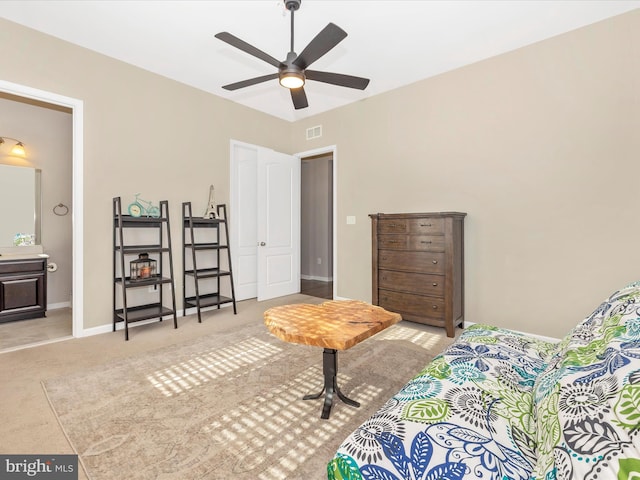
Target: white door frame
(333, 149)
(77, 112)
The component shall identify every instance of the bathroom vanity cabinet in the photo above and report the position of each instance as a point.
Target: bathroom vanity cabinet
(23, 288)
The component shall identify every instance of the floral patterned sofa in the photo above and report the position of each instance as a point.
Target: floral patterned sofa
(500, 405)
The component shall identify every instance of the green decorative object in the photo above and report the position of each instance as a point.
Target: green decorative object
(24, 239)
(140, 207)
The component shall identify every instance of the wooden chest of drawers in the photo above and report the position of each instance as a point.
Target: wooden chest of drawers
(418, 266)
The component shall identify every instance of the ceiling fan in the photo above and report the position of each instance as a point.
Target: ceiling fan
(292, 72)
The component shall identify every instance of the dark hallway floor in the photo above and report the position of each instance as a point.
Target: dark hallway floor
(316, 288)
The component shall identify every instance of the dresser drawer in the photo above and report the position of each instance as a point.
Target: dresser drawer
(426, 226)
(421, 262)
(394, 242)
(414, 226)
(412, 282)
(413, 305)
(388, 225)
(431, 243)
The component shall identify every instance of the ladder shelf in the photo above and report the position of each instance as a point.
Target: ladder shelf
(124, 308)
(209, 251)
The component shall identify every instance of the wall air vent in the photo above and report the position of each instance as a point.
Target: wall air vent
(314, 132)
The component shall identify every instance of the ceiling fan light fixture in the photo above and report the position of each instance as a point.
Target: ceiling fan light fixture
(291, 79)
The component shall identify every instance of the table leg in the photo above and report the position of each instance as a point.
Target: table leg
(330, 371)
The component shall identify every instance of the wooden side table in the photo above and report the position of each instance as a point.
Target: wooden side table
(335, 325)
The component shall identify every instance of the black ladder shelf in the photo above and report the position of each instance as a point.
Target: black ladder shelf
(213, 274)
(160, 249)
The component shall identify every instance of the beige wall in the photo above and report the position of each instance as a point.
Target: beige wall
(46, 134)
(142, 133)
(539, 146)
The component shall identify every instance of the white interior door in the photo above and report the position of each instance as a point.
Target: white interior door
(265, 222)
(278, 225)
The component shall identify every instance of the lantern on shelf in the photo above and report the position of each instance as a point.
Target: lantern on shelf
(143, 267)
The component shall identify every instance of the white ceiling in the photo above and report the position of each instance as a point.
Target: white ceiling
(392, 42)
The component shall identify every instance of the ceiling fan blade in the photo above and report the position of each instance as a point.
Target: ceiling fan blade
(249, 82)
(337, 79)
(299, 98)
(328, 38)
(245, 47)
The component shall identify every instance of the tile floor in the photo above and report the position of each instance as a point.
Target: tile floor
(57, 324)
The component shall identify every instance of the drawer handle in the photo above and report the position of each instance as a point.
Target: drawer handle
(435, 284)
(425, 224)
(384, 278)
(393, 241)
(425, 241)
(435, 307)
(435, 261)
(384, 258)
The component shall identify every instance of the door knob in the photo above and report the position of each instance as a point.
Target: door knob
(262, 244)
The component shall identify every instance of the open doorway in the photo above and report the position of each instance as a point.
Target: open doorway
(73, 107)
(46, 130)
(316, 225)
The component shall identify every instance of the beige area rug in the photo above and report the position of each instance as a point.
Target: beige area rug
(228, 406)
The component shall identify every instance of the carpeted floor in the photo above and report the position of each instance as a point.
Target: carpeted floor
(228, 404)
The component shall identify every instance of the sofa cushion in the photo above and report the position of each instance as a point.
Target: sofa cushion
(468, 414)
(587, 400)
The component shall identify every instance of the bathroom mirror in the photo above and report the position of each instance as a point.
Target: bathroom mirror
(20, 206)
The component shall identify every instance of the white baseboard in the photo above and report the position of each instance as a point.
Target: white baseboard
(55, 306)
(539, 337)
(190, 311)
(87, 332)
(120, 325)
(313, 277)
(466, 323)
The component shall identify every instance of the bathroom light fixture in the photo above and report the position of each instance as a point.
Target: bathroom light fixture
(18, 148)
